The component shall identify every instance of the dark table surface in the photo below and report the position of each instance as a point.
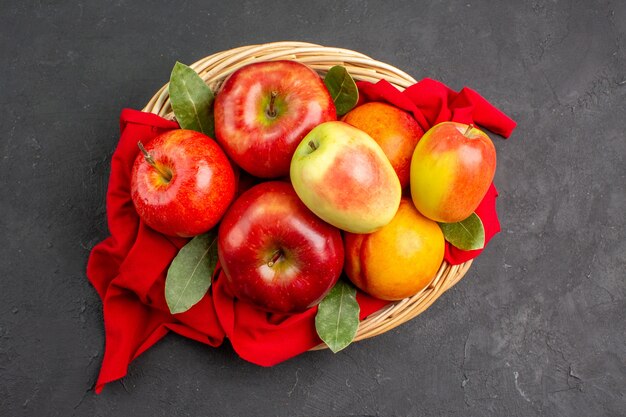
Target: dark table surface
(537, 327)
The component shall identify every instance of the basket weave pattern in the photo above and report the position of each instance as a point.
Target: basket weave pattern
(215, 68)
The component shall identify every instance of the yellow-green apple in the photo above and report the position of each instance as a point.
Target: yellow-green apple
(344, 177)
(400, 259)
(263, 111)
(395, 130)
(181, 183)
(275, 253)
(451, 170)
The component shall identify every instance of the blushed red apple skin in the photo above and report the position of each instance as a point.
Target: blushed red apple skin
(200, 190)
(266, 219)
(263, 145)
(452, 168)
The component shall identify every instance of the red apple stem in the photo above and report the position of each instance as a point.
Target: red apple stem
(469, 129)
(149, 159)
(271, 111)
(312, 145)
(275, 257)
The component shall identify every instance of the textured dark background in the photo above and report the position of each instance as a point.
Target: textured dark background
(536, 328)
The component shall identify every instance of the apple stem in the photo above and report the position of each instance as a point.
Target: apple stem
(275, 257)
(149, 159)
(271, 111)
(312, 145)
(469, 128)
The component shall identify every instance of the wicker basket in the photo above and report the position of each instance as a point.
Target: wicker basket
(215, 68)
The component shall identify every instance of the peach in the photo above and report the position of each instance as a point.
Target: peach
(395, 130)
(400, 259)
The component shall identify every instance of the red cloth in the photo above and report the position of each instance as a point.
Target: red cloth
(432, 102)
(128, 268)
(267, 339)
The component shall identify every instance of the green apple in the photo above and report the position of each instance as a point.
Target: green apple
(342, 175)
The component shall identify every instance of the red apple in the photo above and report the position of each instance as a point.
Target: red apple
(451, 170)
(263, 111)
(182, 183)
(275, 252)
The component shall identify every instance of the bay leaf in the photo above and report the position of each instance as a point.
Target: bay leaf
(192, 100)
(189, 275)
(468, 234)
(337, 318)
(342, 89)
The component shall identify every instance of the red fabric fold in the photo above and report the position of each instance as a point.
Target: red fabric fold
(487, 212)
(128, 269)
(267, 338)
(432, 102)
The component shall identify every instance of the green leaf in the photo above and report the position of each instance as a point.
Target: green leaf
(342, 89)
(189, 276)
(468, 234)
(192, 100)
(337, 318)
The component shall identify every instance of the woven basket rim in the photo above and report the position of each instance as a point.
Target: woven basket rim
(214, 69)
